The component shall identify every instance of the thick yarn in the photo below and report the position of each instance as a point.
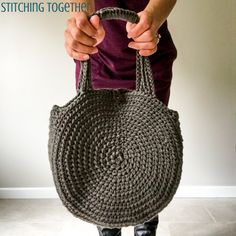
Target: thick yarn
(116, 155)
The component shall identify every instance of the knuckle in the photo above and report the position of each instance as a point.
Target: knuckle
(74, 44)
(69, 51)
(68, 22)
(77, 33)
(153, 44)
(146, 52)
(91, 42)
(74, 55)
(91, 50)
(152, 51)
(150, 35)
(66, 33)
(146, 24)
(142, 53)
(81, 57)
(81, 14)
(82, 23)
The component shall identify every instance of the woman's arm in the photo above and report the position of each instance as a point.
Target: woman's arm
(160, 10)
(151, 19)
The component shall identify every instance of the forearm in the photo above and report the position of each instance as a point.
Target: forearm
(160, 9)
(89, 5)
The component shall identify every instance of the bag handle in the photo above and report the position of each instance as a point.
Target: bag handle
(144, 77)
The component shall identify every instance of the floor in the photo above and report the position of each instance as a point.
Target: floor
(182, 217)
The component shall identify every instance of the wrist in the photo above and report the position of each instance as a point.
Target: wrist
(153, 12)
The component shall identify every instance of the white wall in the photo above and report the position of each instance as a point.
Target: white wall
(204, 89)
(36, 73)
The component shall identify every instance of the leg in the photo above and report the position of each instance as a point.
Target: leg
(103, 231)
(148, 228)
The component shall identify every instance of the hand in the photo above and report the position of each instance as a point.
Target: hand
(144, 34)
(82, 36)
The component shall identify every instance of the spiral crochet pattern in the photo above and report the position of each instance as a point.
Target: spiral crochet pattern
(115, 155)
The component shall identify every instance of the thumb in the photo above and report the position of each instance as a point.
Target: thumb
(97, 24)
(136, 29)
(95, 21)
(129, 26)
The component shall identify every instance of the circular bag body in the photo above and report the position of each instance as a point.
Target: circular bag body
(116, 155)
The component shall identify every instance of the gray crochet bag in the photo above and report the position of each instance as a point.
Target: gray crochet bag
(115, 154)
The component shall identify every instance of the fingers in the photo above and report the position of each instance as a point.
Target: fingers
(146, 53)
(143, 34)
(82, 35)
(145, 48)
(145, 43)
(135, 30)
(78, 34)
(76, 49)
(129, 27)
(83, 24)
(78, 46)
(96, 22)
(76, 55)
(146, 36)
